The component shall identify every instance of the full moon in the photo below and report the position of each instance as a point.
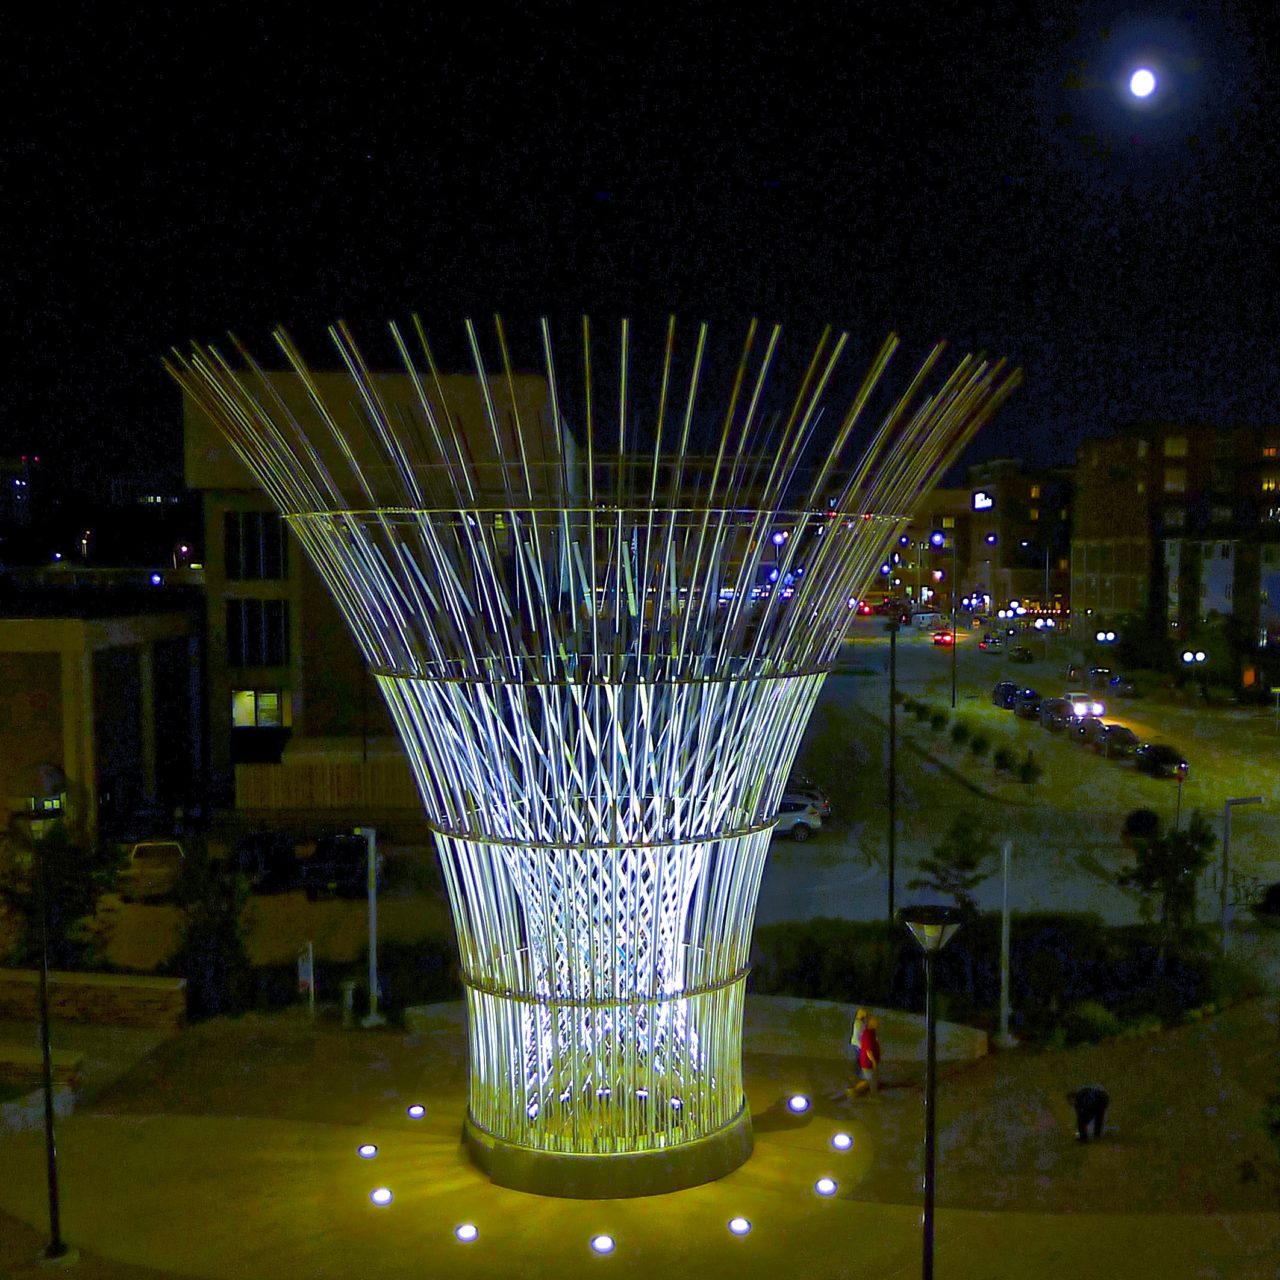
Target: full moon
(1141, 83)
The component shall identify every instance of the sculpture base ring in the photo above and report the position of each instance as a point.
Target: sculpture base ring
(611, 1177)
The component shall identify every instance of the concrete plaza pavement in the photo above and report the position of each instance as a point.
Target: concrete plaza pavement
(230, 1152)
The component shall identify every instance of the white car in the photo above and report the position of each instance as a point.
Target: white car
(151, 869)
(1085, 704)
(801, 788)
(798, 817)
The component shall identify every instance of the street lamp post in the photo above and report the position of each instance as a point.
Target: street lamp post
(893, 755)
(932, 927)
(1226, 856)
(938, 540)
(57, 1249)
(1195, 660)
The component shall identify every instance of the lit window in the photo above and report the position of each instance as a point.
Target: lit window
(1035, 490)
(1175, 479)
(1034, 514)
(1175, 447)
(261, 709)
(1270, 451)
(1270, 484)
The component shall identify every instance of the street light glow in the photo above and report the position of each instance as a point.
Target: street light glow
(1142, 83)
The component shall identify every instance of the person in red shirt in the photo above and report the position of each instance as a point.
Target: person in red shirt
(869, 1058)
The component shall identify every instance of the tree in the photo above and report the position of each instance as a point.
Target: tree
(1140, 824)
(76, 875)
(213, 955)
(958, 865)
(1168, 866)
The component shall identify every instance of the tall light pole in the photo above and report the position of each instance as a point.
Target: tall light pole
(893, 755)
(932, 927)
(1226, 856)
(939, 539)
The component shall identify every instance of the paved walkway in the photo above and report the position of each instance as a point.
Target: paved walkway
(230, 1152)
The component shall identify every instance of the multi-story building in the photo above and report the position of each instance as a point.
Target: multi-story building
(1179, 526)
(1020, 535)
(281, 668)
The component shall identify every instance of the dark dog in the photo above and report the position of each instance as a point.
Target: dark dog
(1091, 1104)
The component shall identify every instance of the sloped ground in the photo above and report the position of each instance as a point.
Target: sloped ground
(230, 1152)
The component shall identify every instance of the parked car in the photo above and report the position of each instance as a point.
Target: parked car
(1160, 760)
(339, 865)
(1266, 909)
(805, 788)
(1028, 704)
(1005, 694)
(1096, 677)
(1087, 729)
(151, 869)
(268, 860)
(1020, 653)
(1115, 740)
(1056, 714)
(944, 637)
(1085, 704)
(990, 642)
(798, 818)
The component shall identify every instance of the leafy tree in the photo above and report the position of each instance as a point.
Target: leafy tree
(76, 875)
(213, 955)
(1004, 759)
(959, 733)
(921, 711)
(938, 721)
(1140, 824)
(979, 745)
(1168, 865)
(959, 864)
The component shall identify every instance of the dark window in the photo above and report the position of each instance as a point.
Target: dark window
(257, 633)
(255, 546)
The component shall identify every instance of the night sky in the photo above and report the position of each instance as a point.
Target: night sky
(969, 171)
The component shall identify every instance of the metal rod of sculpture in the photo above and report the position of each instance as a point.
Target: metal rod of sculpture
(598, 689)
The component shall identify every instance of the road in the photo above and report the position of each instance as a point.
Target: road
(1065, 834)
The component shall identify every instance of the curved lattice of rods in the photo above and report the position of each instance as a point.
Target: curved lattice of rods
(600, 661)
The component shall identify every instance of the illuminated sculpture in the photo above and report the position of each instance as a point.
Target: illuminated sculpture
(600, 647)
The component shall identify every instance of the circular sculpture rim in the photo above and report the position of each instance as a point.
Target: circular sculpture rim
(619, 1176)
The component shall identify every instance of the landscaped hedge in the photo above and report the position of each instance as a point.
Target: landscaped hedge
(1063, 968)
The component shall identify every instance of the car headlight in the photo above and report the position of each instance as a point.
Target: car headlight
(1098, 709)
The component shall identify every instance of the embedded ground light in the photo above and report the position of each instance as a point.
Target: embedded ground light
(366, 1151)
(842, 1141)
(739, 1226)
(798, 1103)
(417, 1111)
(466, 1232)
(380, 1195)
(825, 1186)
(602, 1244)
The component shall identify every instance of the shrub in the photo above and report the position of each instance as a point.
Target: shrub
(900, 698)
(979, 744)
(921, 711)
(959, 733)
(937, 721)
(213, 954)
(1089, 1021)
(1140, 824)
(1030, 770)
(1004, 759)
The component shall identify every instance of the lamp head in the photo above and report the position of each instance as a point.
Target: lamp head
(932, 926)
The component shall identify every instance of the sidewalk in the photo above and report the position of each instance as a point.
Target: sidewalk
(229, 1152)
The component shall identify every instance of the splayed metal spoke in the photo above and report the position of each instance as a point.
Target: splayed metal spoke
(600, 663)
